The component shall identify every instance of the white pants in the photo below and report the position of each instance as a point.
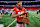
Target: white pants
(20, 25)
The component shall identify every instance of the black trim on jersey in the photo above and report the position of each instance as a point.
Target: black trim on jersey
(19, 22)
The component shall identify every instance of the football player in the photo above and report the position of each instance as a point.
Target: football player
(37, 12)
(2, 11)
(0, 14)
(18, 12)
(7, 12)
(11, 12)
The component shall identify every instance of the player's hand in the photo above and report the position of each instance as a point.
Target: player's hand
(21, 13)
(26, 12)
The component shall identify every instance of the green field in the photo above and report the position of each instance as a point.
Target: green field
(34, 21)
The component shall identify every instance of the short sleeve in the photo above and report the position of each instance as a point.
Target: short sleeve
(24, 9)
(14, 9)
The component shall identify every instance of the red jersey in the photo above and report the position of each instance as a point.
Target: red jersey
(18, 12)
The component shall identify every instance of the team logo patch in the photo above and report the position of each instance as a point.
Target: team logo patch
(17, 10)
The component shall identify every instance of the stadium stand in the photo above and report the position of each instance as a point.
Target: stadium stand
(28, 8)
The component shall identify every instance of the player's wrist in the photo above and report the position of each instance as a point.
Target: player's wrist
(16, 15)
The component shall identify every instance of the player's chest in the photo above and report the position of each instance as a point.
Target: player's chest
(19, 11)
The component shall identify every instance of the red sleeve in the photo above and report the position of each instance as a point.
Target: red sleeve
(14, 9)
(24, 9)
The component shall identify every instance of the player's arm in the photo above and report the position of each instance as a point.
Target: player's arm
(27, 14)
(15, 15)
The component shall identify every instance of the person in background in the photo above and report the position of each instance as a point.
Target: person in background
(2, 11)
(11, 12)
(37, 12)
(7, 12)
(0, 14)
